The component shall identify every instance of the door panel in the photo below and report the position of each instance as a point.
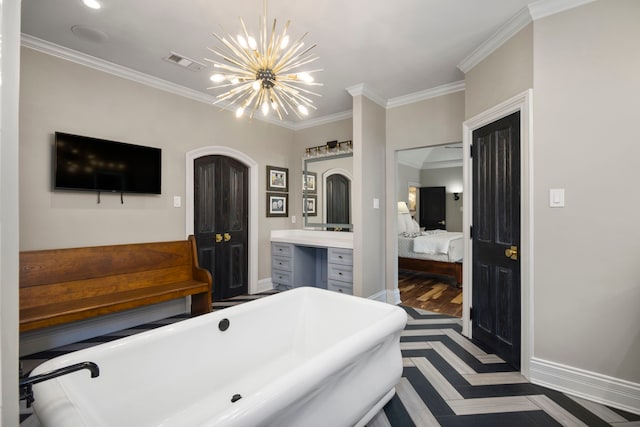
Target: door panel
(496, 229)
(221, 223)
(433, 212)
(338, 199)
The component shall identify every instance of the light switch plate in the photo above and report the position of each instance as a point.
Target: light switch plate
(556, 198)
(177, 201)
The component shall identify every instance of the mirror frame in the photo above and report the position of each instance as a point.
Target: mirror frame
(305, 193)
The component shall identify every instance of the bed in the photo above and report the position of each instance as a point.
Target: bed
(434, 251)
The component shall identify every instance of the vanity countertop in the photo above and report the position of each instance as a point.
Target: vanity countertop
(333, 239)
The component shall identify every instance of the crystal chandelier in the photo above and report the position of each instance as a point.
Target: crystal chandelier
(261, 74)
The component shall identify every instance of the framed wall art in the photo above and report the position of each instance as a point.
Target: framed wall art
(277, 179)
(277, 205)
(309, 182)
(309, 205)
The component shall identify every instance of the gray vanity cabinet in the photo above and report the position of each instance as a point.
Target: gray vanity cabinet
(282, 265)
(295, 265)
(340, 270)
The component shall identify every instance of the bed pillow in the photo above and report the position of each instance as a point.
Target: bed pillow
(402, 228)
(404, 223)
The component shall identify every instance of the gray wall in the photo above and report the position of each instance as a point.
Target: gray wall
(58, 95)
(586, 106)
(369, 184)
(503, 74)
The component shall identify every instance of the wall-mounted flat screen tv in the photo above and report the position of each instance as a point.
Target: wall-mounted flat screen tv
(84, 163)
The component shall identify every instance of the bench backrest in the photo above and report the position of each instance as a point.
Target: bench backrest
(55, 275)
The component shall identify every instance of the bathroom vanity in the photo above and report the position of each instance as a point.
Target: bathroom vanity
(321, 259)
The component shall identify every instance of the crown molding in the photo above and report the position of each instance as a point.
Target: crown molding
(423, 95)
(365, 90)
(543, 8)
(524, 17)
(497, 39)
(330, 118)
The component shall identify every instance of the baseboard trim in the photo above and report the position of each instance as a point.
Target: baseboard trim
(610, 391)
(264, 285)
(393, 296)
(380, 296)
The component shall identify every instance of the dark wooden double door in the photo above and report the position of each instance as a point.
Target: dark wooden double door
(221, 223)
(496, 238)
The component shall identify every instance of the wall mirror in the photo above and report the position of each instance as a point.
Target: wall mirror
(326, 192)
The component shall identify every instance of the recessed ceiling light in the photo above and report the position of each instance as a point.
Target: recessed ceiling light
(93, 4)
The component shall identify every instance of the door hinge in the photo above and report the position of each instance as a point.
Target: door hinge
(471, 232)
(471, 151)
(470, 313)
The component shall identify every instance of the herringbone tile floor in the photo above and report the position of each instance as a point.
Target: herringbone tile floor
(447, 381)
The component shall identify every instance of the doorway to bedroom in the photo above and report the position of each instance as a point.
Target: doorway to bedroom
(430, 250)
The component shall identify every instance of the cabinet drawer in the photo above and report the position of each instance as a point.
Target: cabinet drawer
(340, 256)
(281, 249)
(342, 287)
(280, 277)
(281, 263)
(343, 273)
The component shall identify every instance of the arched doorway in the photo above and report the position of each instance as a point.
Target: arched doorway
(252, 166)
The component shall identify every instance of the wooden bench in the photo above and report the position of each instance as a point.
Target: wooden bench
(65, 285)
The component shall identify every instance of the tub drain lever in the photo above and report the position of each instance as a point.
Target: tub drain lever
(26, 383)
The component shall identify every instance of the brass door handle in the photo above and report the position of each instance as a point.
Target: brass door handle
(218, 238)
(511, 252)
(227, 237)
(441, 222)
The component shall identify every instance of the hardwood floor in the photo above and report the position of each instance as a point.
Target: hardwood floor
(428, 292)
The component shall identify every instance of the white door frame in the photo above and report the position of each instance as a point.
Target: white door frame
(252, 166)
(522, 102)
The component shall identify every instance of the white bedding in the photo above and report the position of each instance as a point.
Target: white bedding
(434, 243)
(453, 254)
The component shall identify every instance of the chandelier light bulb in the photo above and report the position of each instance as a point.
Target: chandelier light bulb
(265, 108)
(252, 43)
(242, 42)
(303, 110)
(93, 4)
(234, 80)
(239, 112)
(285, 42)
(305, 77)
(256, 85)
(217, 78)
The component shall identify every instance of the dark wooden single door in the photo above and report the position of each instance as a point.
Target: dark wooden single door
(338, 191)
(496, 238)
(221, 221)
(433, 210)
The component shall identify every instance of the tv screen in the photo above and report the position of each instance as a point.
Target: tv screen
(83, 163)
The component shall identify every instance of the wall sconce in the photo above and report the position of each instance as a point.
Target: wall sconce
(456, 196)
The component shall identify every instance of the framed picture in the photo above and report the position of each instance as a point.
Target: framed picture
(309, 182)
(277, 205)
(277, 179)
(309, 205)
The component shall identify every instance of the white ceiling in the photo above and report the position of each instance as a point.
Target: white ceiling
(441, 156)
(395, 48)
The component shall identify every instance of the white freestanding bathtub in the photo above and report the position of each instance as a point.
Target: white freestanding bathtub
(305, 357)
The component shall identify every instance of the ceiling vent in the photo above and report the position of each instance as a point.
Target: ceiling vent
(184, 62)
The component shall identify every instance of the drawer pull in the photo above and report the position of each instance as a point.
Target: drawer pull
(340, 290)
(279, 263)
(340, 273)
(340, 256)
